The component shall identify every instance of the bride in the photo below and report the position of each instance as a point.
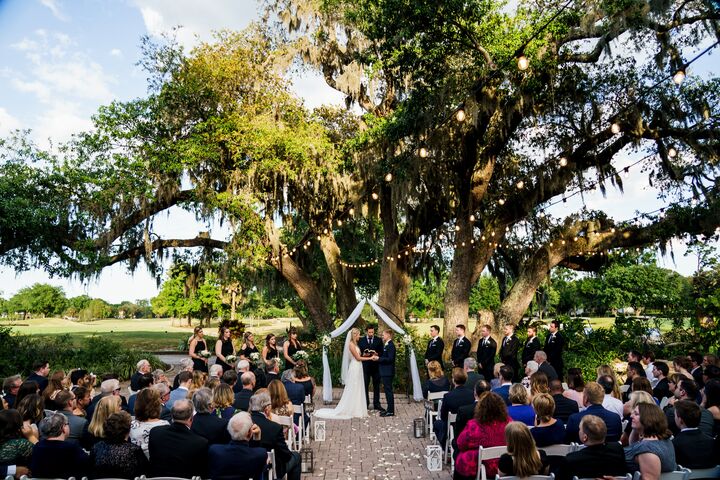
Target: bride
(352, 403)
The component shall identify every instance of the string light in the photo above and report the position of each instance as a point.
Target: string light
(375, 196)
(460, 115)
(501, 201)
(615, 128)
(672, 152)
(423, 152)
(563, 161)
(472, 218)
(522, 62)
(520, 185)
(351, 212)
(388, 177)
(679, 76)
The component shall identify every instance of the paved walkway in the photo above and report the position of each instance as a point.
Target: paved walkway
(374, 447)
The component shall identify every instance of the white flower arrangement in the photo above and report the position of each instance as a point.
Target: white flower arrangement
(300, 355)
(205, 353)
(407, 340)
(255, 356)
(230, 358)
(326, 340)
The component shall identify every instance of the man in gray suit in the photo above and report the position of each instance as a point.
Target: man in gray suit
(66, 400)
(470, 365)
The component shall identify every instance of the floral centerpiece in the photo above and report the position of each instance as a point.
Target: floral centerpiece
(326, 340)
(205, 353)
(230, 358)
(300, 355)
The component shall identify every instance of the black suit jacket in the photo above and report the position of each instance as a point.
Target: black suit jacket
(242, 399)
(531, 346)
(135, 381)
(211, 427)
(175, 451)
(509, 351)
(236, 461)
(455, 399)
(564, 407)
(554, 348)
(375, 344)
(39, 379)
(594, 462)
(271, 437)
(387, 360)
(697, 374)
(460, 351)
(662, 390)
(548, 370)
(464, 414)
(434, 350)
(694, 449)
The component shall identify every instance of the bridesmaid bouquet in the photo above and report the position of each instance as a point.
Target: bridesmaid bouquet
(205, 353)
(300, 355)
(255, 356)
(230, 358)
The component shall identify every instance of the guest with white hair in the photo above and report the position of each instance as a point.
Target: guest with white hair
(238, 460)
(242, 398)
(164, 392)
(143, 367)
(186, 365)
(54, 456)
(530, 368)
(206, 423)
(271, 436)
(470, 366)
(216, 371)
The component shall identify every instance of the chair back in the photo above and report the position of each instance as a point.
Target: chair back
(679, 474)
(663, 404)
(273, 468)
(488, 453)
(558, 450)
(624, 388)
(436, 395)
(287, 422)
(713, 472)
(626, 477)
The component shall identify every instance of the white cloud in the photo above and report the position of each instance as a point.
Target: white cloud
(8, 123)
(116, 52)
(197, 19)
(55, 9)
(59, 122)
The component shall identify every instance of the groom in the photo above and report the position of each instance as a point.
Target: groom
(387, 372)
(370, 345)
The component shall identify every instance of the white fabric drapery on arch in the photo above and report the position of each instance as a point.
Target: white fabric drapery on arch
(346, 325)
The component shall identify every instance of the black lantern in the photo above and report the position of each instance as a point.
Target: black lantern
(419, 427)
(306, 460)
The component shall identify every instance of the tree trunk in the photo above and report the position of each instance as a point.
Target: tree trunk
(346, 300)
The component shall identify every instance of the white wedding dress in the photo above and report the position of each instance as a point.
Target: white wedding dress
(352, 403)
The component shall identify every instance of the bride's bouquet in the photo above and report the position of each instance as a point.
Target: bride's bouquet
(205, 353)
(326, 340)
(300, 355)
(230, 358)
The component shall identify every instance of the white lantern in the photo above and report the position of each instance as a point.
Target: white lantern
(434, 458)
(320, 431)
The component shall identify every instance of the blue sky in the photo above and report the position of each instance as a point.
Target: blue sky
(62, 59)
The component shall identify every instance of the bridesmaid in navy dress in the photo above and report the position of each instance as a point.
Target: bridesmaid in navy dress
(197, 345)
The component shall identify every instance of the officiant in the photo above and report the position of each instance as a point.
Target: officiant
(370, 345)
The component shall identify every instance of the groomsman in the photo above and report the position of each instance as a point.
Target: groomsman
(387, 372)
(461, 347)
(532, 345)
(435, 346)
(371, 370)
(487, 347)
(554, 344)
(509, 350)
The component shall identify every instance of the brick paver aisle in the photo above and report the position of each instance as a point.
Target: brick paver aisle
(374, 447)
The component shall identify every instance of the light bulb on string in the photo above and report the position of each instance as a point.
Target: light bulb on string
(423, 152)
(501, 201)
(388, 177)
(522, 62)
(339, 222)
(563, 161)
(615, 128)
(460, 114)
(679, 76)
(520, 185)
(672, 152)
(351, 212)
(375, 196)
(457, 228)
(472, 218)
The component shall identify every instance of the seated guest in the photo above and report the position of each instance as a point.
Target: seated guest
(467, 412)
(598, 458)
(185, 380)
(636, 398)
(114, 456)
(539, 384)
(66, 401)
(452, 401)
(487, 429)
(186, 365)
(543, 366)
(159, 376)
(564, 407)
(496, 381)
(302, 377)
(206, 423)
(238, 460)
(143, 367)
(32, 409)
(470, 365)
(686, 389)
(530, 368)
(272, 370)
(148, 407)
(519, 410)
(593, 397)
(16, 442)
(576, 386)
(242, 398)
(146, 380)
(295, 392)
(608, 371)
(693, 449)
(281, 404)
(610, 402)
(216, 371)
(164, 393)
(230, 378)
(682, 365)
(81, 378)
(108, 387)
(711, 401)
(548, 430)
(437, 381)
(175, 451)
(11, 385)
(523, 458)
(650, 452)
(271, 436)
(95, 429)
(56, 384)
(53, 456)
(639, 384)
(660, 372)
(28, 387)
(82, 400)
(506, 376)
(40, 372)
(223, 399)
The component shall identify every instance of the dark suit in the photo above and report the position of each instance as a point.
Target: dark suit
(211, 427)
(175, 451)
(269, 377)
(387, 373)
(272, 438)
(236, 461)
(472, 379)
(261, 380)
(135, 381)
(662, 390)
(166, 414)
(504, 392)
(694, 449)
(564, 407)
(611, 419)
(451, 403)
(532, 345)
(434, 350)
(594, 461)
(464, 414)
(707, 422)
(554, 346)
(486, 356)
(296, 392)
(242, 399)
(696, 372)
(371, 370)
(460, 351)
(58, 459)
(548, 370)
(39, 379)
(508, 354)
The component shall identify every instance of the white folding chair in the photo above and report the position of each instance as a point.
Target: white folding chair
(309, 426)
(287, 422)
(663, 403)
(558, 450)
(531, 477)
(624, 388)
(430, 414)
(679, 474)
(300, 409)
(273, 466)
(450, 435)
(489, 453)
(713, 472)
